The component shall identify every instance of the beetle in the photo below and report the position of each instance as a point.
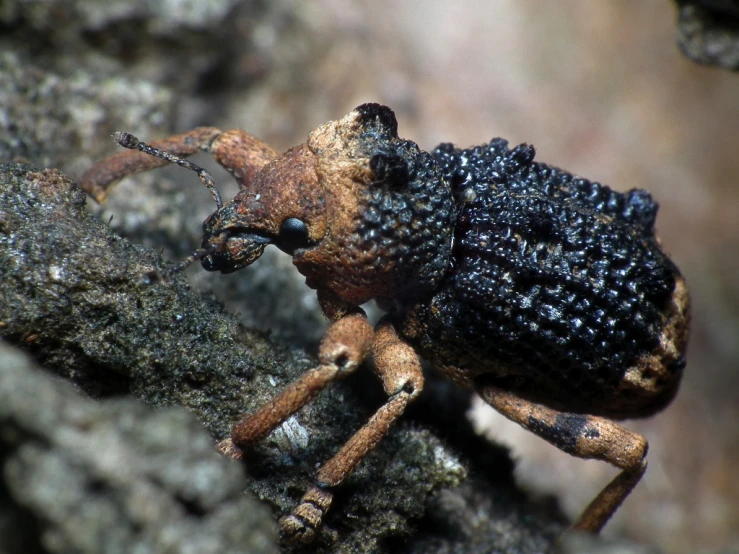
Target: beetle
(547, 294)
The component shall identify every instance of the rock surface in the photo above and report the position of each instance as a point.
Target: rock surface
(708, 31)
(114, 476)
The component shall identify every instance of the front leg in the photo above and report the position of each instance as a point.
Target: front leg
(237, 151)
(399, 368)
(343, 348)
(584, 436)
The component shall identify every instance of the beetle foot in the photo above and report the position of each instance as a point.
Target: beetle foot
(230, 450)
(300, 526)
(295, 530)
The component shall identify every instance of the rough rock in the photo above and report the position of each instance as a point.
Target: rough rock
(114, 476)
(708, 31)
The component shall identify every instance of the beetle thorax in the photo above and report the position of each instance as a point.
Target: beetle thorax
(389, 213)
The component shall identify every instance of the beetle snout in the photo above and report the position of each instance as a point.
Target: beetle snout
(236, 252)
(230, 248)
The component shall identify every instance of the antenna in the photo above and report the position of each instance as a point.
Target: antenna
(154, 276)
(127, 140)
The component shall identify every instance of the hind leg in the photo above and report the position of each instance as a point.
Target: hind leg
(583, 436)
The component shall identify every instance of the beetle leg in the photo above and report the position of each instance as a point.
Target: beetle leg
(584, 436)
(237, 151)
(399, 367)
(343, 348)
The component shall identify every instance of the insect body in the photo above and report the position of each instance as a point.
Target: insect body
(547, 294)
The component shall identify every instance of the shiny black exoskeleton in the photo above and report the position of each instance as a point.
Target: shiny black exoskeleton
(557, 285)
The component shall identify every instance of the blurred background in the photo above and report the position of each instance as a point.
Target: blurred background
(600, 88)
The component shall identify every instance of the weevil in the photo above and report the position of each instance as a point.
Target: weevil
(547, 294)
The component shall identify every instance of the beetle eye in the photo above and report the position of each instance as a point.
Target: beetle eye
(293, 235)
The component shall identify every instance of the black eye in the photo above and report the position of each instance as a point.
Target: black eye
(293, 235)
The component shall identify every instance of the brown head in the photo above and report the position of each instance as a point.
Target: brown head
(364, 213)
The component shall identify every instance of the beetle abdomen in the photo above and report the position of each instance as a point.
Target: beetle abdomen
(558, 285)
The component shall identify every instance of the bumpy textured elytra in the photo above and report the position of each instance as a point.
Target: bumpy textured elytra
(547, 294)
(557, 287)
